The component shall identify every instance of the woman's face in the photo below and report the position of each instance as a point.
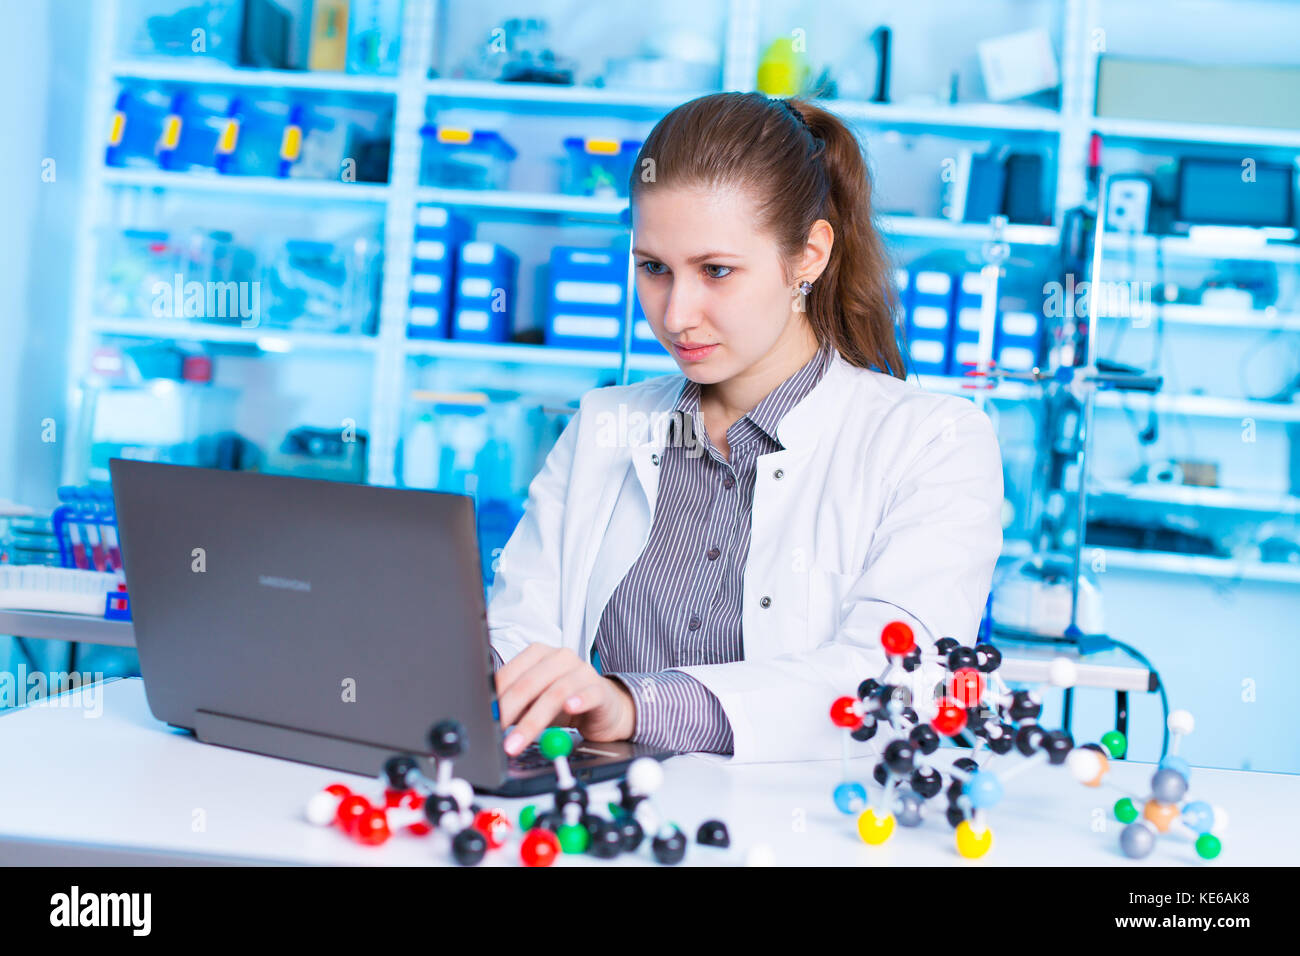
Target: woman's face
(707, 277)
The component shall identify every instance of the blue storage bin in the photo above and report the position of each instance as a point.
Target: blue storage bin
(456, 158)
(586, 298)
(439, 233)
(968, 301)
(929, 321)
(598, 167)
(485, 293)
(1019, 340)
(262, 138)
(136, 128)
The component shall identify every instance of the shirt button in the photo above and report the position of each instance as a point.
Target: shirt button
(766, 601)
(695, 623)
(728, 482)
(713, 554)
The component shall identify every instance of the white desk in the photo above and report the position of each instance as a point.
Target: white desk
(124, 788)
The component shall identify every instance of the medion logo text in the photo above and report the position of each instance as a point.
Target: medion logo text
(284, 584)
(102, 909)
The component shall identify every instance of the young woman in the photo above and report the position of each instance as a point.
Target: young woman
(706, 560)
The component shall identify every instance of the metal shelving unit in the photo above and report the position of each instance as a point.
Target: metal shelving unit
(388, 352)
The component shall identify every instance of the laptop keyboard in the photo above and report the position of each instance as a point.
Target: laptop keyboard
(530, 758)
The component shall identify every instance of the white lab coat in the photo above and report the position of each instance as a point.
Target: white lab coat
(884, 504)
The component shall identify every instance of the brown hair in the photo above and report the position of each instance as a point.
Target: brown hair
(800, 163)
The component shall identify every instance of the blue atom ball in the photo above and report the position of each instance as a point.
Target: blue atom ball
(850, 797)
(1173, 762)
(1199, 815)
(984, 790)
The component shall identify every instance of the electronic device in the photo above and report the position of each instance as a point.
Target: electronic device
(1128, 204)
(319, 621)
(1226, 192)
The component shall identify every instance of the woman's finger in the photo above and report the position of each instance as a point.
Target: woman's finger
(530, 683)
(546, 707)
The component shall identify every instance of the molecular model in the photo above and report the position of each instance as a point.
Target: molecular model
(572, 827)
(415, 804)
(1003, 722)
(1203, 823)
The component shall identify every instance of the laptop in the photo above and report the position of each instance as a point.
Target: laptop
(319, 621)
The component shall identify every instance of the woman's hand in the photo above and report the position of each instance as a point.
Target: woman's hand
(542, 682)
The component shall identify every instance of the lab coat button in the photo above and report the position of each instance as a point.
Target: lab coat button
(766, 602)
(654, 459)
(778, 474)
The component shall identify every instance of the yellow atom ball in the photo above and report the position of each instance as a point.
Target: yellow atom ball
(873, 829)
(1160, 814)
(971, 844)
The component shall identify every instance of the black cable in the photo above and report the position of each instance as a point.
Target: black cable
(1121, 719)
(1067, 708)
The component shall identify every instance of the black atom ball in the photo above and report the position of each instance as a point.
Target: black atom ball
(435, 806)
(606, 842)
(713, 833)
(866, 730)
(1024, 706)
(1028, 737)
(1058, 745)
(468, 847)
(880, 773)
(630, 833)
(965, 764)
(447, 739)
(927, 781)
(901, 757)
(945, 645)
(912, 659)
(671, 848)
(399, 772)
(567, 795)
(989, 657)
(867, 688)
(955, 816)
(960, 657)
(1004, 740)
(924, 738)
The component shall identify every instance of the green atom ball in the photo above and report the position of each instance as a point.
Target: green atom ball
(1208, 846)
(1115, 742)
(1125, 811)
(555, 742)
(527, 817)
(574, 838)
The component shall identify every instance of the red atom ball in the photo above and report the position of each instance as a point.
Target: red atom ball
(350, 811)
(338, 790)
(844, 713)
(494, 825)
(950, 719)
(372, 827)
(967, 686)
(540, 847)
(897, 638)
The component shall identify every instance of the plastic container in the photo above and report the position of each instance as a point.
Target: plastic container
(311, 285)
(374, 37)
(135, 265)
(229, 271)
(483, 308)
(210, 29)
(597, 167)
(262, 138)
(457, 158)
(420, 453)
(136, 128)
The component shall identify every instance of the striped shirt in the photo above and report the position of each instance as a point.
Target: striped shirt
(680, 603)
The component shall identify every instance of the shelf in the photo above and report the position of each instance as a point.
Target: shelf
(1161, 131)
(1205, 406)
(550, 204)
(1115, 243)
(246, 185)
(267, 339)
(974, 116)
(487, 91)
(1197, 565)
(183, 70)
(1227, 499)
(1269, 319)
(512, 353)
(927, 228)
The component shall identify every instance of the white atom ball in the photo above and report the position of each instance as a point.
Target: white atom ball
(322, 808)
(1181, 722)
(1085, 765)
(644, 776)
